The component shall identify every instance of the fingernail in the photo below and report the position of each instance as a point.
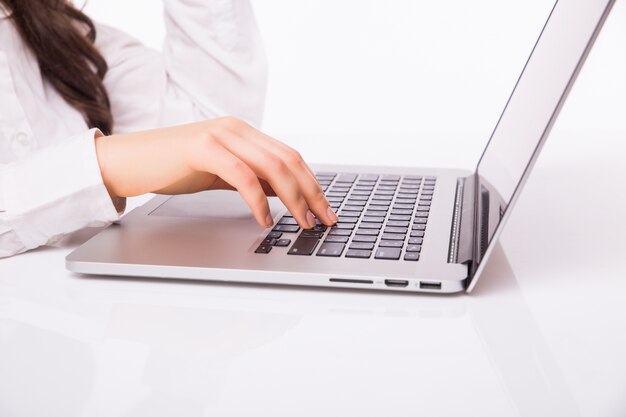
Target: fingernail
(331, 215)
(269, 220)
(310, 219)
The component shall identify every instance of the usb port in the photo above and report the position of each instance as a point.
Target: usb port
(396, 282)
(430, 285)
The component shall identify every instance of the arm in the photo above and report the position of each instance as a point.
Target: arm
(222, 153)
(212, 65)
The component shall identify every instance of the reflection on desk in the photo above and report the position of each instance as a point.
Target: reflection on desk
(115, 347)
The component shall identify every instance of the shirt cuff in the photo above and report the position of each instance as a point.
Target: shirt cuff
(55, 191)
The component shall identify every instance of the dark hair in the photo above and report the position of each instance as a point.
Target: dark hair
(62, 39)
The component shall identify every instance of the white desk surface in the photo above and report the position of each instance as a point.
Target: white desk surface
(544, 334)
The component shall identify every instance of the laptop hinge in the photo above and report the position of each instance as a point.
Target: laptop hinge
(462, 234)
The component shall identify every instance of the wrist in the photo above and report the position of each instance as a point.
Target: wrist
(119, 202)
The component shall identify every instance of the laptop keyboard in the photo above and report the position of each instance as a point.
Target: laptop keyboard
(380, 217)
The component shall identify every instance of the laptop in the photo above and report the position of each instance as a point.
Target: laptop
(400, 228)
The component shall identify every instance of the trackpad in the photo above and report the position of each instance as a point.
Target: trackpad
(218, 204)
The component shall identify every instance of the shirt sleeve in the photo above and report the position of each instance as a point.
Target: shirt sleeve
(52, 192)
(212, 64)
(213, 53)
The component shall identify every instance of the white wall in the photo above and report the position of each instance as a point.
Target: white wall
(423, 69)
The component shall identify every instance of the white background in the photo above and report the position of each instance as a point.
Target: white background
(392, 72)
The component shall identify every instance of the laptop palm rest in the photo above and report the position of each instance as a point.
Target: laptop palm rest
(219, 205)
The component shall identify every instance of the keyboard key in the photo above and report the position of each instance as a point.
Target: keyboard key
(417, 233)
(412, 256)
(331, 249)
(392, 236)
(415, 240)
(348, 219)
(346, 177)
(336, 239)
(364, 238)
(355, 253)
(398, 223)
(375, 212)
(349, 207)
(420, 220)
(371, 219)
(303, 246)
(368, 177)
(352, 202)
(325, 174)
(405, 200)
(362, 245)
(376, 226)
(319, 227)
(411, 177)
(332, 199)
(361, 192)
(424, 203)
(274, 235)
(340, 232)
(311, 234)
(419, 227)
(378, 197)
(400, 230)
(423, 208)
(404, 217)
(356, 197)
(382, 188)
(427, 192)
(382, 193)
(286, 228)
(421, 214)
(402, 212)
(379, 203)
(403, 206)
(283, 242)
(367, 232)
(340, 225)
(414, 248)
(263, 249)
(288, 220)
(269, 241)
(391, 244)
(388, 253)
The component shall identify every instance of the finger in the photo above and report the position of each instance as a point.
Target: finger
(309, 186)
(237, 173)
(307, 182)
(272, 169)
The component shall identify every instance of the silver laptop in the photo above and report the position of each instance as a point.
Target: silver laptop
(401, 229)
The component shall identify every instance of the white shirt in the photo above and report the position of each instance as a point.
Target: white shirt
(212, 64)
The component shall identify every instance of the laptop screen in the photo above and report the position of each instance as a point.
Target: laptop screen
(532, 109)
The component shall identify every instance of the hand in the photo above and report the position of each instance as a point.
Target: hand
(223, 153)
